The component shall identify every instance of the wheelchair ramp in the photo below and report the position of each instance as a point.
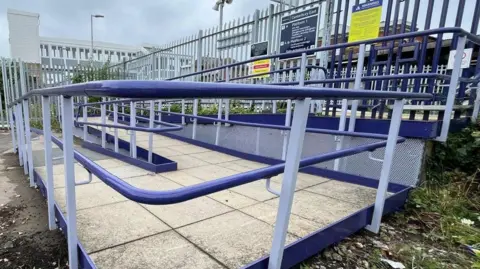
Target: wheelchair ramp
(231, 228)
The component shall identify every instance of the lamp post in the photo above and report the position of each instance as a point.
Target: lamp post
(219, 7)
(91, 32)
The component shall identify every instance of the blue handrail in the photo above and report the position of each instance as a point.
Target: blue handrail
(191, 192)
(242, 123)
(152, 89)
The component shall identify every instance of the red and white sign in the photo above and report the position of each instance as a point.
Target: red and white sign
(466, 58)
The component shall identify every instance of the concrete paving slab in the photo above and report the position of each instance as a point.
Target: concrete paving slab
(167, 143)
(59, 179)
(164, 151)
(90, 195)
(181, 214)
(128, 171)
(250, 164)
(214, 157)
(318, 208)
(210, 172)
(347, 192)
(226, 197)
(303, 180)
(298, 226)
(167, 250)
(152, 182)
(182, 178)
(255, 190)
(188, 149)
(185, 161)
(235, 239)
(113, 224)
(232, 199)
(235, 166)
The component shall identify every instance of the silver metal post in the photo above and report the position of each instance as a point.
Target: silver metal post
(357, 86)
(183, 111)
(387, 165)
(103, 115)
(85, 118)
(91, 37)
(295, 146)
(288, 119)
(476, 105)
(219, 116)
(257, 142)
(47, 135)
(195, 113)
(160, 108)
(68, 162)
(28, 145)
(27, 134)
(21, 126)
(150, 135)
(12, 130)
(341, 127)
(115, 122)
(133, 137)
(452, 89)
(19, 134)
(288, 116)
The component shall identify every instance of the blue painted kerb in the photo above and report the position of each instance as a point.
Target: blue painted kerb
(159, 163)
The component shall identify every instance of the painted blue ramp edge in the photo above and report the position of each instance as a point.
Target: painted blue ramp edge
(312, 244)
(160, 164)
(340, 176)
(85, 262)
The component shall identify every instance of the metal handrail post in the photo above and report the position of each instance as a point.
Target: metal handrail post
(47, 135)
(133, 136)
(292, 162)
(387, 166)
(68, 161)
(150, 135)
(452, 88)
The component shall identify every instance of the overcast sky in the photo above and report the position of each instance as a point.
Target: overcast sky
(133, 22)
(129, 22)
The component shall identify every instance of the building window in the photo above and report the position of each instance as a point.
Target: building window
(74, 53)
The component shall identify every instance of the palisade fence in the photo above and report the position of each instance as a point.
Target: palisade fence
(336, 67)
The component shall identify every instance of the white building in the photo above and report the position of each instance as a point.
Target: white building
(27, 44)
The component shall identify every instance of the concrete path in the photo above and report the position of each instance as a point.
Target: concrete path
(228, 229)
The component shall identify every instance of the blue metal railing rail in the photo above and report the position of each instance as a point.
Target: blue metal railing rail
(191, 192)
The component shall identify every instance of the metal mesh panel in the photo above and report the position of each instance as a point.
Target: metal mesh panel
(406, 164)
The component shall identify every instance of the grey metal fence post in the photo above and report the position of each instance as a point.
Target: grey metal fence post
(452, 89)
(199, 78)
(476, 104)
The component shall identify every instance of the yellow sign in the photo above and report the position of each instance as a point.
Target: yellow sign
(261, 66)
(365, 22)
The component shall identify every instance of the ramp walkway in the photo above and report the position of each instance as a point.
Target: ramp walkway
(227, 229)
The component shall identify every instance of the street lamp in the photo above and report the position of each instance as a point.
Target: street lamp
(219, 7)
(91, 32)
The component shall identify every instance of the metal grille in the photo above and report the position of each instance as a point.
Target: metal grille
(406, 166)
